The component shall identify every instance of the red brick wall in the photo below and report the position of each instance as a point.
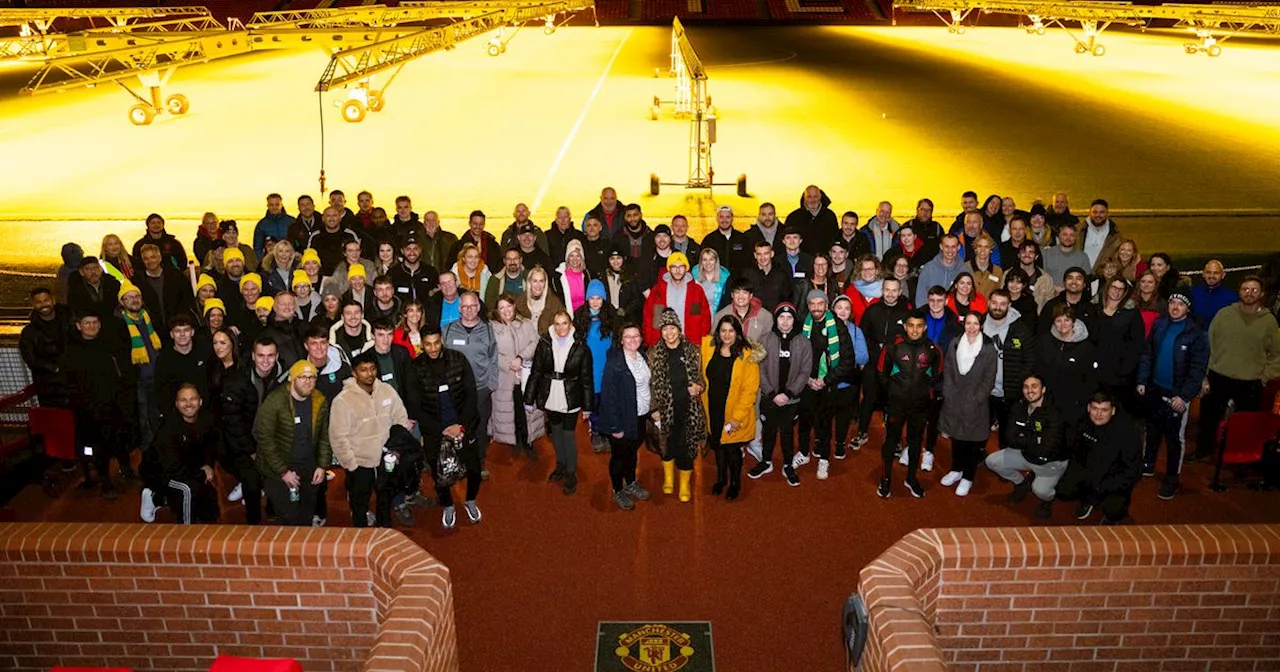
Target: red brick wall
(164, 597)
(1077, 599)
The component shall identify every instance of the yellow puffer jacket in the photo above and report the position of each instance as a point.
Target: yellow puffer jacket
(740, 406)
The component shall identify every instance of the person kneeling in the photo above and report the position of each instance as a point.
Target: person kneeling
(1032, 442)
(181, 458)
(1110, 463)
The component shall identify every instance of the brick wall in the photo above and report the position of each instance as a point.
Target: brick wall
(164, 597)
(1076, 599)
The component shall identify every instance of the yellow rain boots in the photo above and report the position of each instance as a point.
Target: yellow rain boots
(686, 493)
(668, 476)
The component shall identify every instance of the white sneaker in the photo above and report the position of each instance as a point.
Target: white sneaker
(148, 510)
(236, 494)
(473, 512)
(450, 517)
(317, 521)
(756, 450)
(964, 487)
(823, 466)
(903, 458)
(951, 478)
(858, 441)
(799, 460)
(371, 518)
(926, 463)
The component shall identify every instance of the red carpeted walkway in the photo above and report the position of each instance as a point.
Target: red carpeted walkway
(769, 571)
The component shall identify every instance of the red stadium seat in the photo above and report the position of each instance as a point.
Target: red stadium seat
(1243, 434)
(233, 664)
(57, 428)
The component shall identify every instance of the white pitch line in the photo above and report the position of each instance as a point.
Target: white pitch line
(573, 132)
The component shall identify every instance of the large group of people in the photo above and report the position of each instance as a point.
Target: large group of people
(391, 350)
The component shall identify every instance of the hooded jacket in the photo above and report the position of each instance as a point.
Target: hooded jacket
(1069, 368)
(910, 371)
(275, 227)
(360, 423)
(1190, 358)
(480, 349)
(41, 344)
(274, 427)
(576, 376)
(697, 312)
(1038, 433)
(755, 326)
(71, 256)
(819, 228)
(181, 450)
(744, 390)
(801, 355)
(1085, 311)
(1014, 341)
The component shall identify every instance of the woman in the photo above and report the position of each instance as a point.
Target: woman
(470, 269)
(330, 311)
(230, 232)
(112, 252)
(1016, 282)
(278, 268)
(624, 413)
(1121, 337)
(538, 300)
(819, 279)
(677, 382)
(625, 293)
(206, 288)
(226, 355)
(386, 258)
(560, 384)
(517, 340)
(905, 275)
(1108, 270)
(208, 237)
(413, 323)
(866, 286)
(733, 386)
(570, 279)
(993, 215)
(712, 277)
(986, 275)
(1147, 300)
(309, 303)
(846, 392)
(1128, 259)
(214, 318)
(310, 263)
(596, 321)
(1168, 277)
(963, 297)
(968, 376)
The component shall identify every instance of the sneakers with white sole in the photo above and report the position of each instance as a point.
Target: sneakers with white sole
(914, 488)
(965, 486)
(789, 473)
(371, 518)
(450, 517)
(926, 462)
(903, 458)
(148, 509)
(858, 442)
(317, 521)
(759, 470)
(951, 478)
(799, 460)
(823, 467)
(236, 494)
(473, 511)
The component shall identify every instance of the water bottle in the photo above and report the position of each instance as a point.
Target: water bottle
(293, 493)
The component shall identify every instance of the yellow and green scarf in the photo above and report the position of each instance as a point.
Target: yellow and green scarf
(138, 347)
(829, 327)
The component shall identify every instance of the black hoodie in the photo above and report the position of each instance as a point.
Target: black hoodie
(818, 229)
(1111, 454)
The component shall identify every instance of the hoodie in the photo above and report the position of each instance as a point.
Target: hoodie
(360, 422)
(819, 228)
(1015, 341)
(1069, 368)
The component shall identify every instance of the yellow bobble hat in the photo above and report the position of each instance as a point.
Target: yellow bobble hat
(210, 304)
(251, 277)
(300, 278)
(205, 280)
(125, 288)
(302, 368)
(265, 302)
(232, 253)
(310, 255)
(358, 269)
(677, 258)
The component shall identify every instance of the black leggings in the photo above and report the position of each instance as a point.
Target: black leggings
(470, 460)
(563, 429)
(966, 456)
(624, 455)
(845, 401)
(778, 420)
(677, 448)
(931, 427)
(728, 461)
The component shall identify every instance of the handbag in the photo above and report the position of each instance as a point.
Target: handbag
(449, 467)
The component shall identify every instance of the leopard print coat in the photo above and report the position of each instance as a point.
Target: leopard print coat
(662, 401)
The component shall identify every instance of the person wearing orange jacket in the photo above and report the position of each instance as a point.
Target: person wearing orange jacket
(733, 388)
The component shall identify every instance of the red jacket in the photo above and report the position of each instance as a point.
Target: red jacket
(401, 338)
(977, 304)
(696, 318)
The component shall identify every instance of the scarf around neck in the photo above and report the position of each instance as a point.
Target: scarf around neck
(137, 325)
(830, 330)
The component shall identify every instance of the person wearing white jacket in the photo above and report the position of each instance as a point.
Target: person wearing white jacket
(360, 421)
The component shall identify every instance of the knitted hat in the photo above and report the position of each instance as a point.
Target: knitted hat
(1038, 209)
(596, 288)
(1181, 296)
(677, 258)
(572, 246)
(310, 255)
(668, 318)
(205, 281)
(662, 229)
(264, 302)
(785, 307)
(228, 225)
(251, 277)
(1075, 269)
(232, 253)
(210, 304)
(357, 270)
(126, 288)
(302, 367)
(300, 278)
(616, 250)
(816, 294)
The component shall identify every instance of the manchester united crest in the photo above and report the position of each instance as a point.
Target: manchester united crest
(654, 648)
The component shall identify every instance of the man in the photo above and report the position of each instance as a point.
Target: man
(1032, 440)
(766, 229)
(41, 344)
(347, 219)
(395, 364)
(228, 282)
(1244, 355)
(1039, 285)
(910, 247)
(909, 369)
(635, 238)
(833, 362)
(1014, 340)
(882, 324)
(1101, 237)
(171, 251)
(472, 336)
(1109, 463)
(656, 256)
(1073, 295)
(743, 305)
(1210, 296)
(360, 422)
(1064, 255)
(1067, 362)
(941, 270)
(241, 310)
(181, 363)
(815, 218)
(928, 230)
(941, 326)
(1170, 372)
(229, 231)
(166, 292)
(561, 232)
(857, 244)
(330, 240)
(385, 305)
(606, 212)
(449, 411)
(797, 263)
(286, 328)
(414, 280)
(1040, 232)
(444, 307)
(974, 227)
(331, 365)
(841, 269)
(490, 251)
(1008, 212)
(679, 292)
(273, 227)
(338, 282)
(509, 281)
(100, 387)
(881, 230)
(521, 221)
(596, 247)
(243, 391)
(1060, 215)
(305, 224)
(144, 345)
(526, 243)
(182, 461)
(680, 240)
(968, 204)
(292, 431)
(352, 334)
(770, 282)
(1017, 229)
(364, 210)
(730, 244)
(406, 224)
(784, 377)
(93, 290)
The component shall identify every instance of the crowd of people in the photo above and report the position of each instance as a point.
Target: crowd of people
(392, 350)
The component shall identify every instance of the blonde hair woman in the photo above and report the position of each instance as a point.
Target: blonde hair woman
(538, 300)
(112, 252)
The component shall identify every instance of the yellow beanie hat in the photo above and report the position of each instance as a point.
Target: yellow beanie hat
(310, 255)
(205, 280)
(210, 304)
(302, 367)
(358, 269)
(232, 253)
(125, 288)
(677, 258)
(251, 277)
(300, 278)
(265, 302)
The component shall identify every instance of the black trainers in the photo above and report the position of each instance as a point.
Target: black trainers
(1044, 511)
(1167, 490)
(557, 474)
(1020, 491)
(760, 469)
(1148, 470)
(789, 473)
(883, 490)
(840, 450)
(570, 484)
(913, 487)
(1084, 510)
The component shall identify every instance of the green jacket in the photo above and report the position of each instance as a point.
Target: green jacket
(273, 429)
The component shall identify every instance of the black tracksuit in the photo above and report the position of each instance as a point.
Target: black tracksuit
(175, 369)
(771, 288)
(881, 324)
(909, 371)
(175, 462)
(1106, 467)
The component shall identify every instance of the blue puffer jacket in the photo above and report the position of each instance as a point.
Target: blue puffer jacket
(276, 227)
(1190, 358)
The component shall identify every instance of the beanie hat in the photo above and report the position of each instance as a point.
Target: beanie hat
(816, 294)
(1074, 269)
(310, 254)
(264, 302)
(210, 304)
(596, 288)
(668, 318)
(357, 270)
(677, 258)
(205, 281)
(231, 253)
(1038, 209)
(1181, 296)
(300, 278)
(662, 229)
(302, 367)
(228, 225)
(126, 288)
(785, 307)
(251, 277)
(574, 246)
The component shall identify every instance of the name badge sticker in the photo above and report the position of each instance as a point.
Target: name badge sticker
(442, 388)
(458, 341)
(297, 420)
(388, 376)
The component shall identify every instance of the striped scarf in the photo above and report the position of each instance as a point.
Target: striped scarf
(137, 347)
(831, 330)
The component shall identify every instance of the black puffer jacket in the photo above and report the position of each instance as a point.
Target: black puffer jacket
(451, 372)
(101, 381)
(1069, 369)
(579, 382)
(1038, 434)
(41, 344)
(242, 393)
(1120, 338)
